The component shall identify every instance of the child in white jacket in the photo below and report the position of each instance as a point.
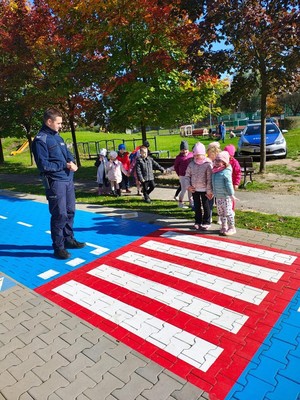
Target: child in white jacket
(114, 169)
(198, 181)
(102, 180)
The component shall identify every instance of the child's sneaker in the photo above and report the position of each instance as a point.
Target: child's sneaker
(176, 198)
(204, 227)
(229, 232)
(219, 221)
(197, 226)
(182, 205)
(223, 231)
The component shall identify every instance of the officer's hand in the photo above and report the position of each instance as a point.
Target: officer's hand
(71, 166)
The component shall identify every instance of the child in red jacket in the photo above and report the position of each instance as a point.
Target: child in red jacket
(123, 156)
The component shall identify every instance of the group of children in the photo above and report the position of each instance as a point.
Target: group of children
(209, 176)
(113, 172)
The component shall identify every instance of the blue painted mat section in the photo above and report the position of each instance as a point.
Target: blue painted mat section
(274, 371)
(26, 249)
(5, 283)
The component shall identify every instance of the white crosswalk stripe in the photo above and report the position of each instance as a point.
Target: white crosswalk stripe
(234, 289)
(262, 254)
(206, 311)
(182, 344)
(256, 271)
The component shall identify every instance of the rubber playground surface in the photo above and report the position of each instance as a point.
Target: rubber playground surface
(221, 313)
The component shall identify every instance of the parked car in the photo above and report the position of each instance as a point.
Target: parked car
(249, 142)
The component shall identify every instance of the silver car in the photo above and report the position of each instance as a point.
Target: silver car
(249, 142)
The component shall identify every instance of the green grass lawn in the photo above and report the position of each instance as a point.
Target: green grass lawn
(21, 165)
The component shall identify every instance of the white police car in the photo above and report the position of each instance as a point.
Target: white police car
(249, 142)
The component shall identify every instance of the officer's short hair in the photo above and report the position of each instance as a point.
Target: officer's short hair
(51, 113)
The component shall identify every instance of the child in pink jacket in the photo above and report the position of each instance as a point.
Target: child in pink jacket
(236, 168)
(198, 178)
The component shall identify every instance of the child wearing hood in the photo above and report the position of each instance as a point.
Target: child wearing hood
(123, 156)
(102, 180)
(235, 165)
(114, 169)
(182, 160)
(224, 192)
(198, 181)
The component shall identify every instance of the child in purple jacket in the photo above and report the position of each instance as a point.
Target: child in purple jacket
(180, 165)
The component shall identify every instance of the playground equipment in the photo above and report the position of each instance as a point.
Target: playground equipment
(189, 130)
(20, 149)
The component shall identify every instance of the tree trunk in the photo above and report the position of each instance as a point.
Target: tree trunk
(144, 133)
(75, 147)
(263, 108)
(1, 152)
(30, 147)
(72, 126)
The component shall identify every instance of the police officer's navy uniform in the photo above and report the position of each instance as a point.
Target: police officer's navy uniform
(51, 156)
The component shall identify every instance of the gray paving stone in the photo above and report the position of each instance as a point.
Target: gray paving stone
(82, 397)
(151, 372)
(6, 379)
(52, 323)
(26, 396)
(163, 389)
(53, 333)
(133, 388)
(54, 396)
(174, 376)
(21, 304)
(2, 397)
(119, 352)
(12, 333)
(74, 333)
(35, 320)
(72, 350)
(41, 306)
(11, 324)
(44, 371)
(104, 345)
(104, 388)
(18, 371)
(42, 392)
(74, 322)
(29, 381)
(94, 336)
(101, 367)
(4, 316)
(47, 353)
(188, 391)
(6, 306)
(71, 370)
(9, 361)
(13, 345)
(30, 348)
(127, 367)
(38, 330)
(75, 388)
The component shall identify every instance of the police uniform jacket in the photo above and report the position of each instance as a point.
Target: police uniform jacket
(52, 155)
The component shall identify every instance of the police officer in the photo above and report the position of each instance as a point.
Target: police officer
(57, 167)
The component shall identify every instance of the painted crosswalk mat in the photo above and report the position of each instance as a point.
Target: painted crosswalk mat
(199, 306)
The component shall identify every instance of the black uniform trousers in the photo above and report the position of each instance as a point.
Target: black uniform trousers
(61, 199)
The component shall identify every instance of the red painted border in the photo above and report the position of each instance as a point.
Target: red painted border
(238, 348)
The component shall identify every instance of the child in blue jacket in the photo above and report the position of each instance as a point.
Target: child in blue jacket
(224, 192)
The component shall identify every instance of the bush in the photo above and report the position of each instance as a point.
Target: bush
(291, 123)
